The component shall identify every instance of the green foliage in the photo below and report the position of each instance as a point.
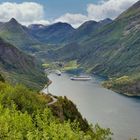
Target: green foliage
(18, 67)
(17, 125)
(66, 110)
(71, 65)
(128, 85)
(121, 81)
(1, 78)
(50, 65)
(23, 98)
(62, 66)
(25, 115)
(46, 65)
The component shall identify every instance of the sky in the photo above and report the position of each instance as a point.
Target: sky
(74, 12)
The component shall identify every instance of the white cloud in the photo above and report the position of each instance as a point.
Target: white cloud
(108, 9)
(32, 12)
(103, 9)
(43, 22)
(26, 12)
(74, 19)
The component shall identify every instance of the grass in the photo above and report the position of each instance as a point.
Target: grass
(24, 114)
(71, 65)
(46, 65)
(65, 66)
(30, 81)
(128, 85)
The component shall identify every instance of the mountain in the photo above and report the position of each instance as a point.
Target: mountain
(70, 39)
(1, 23)
(113, 49)
(19, 67)
(70, 52)
(105, 21)
(1, 78)
(62, 33)
(86, 30)
(52, 34)
(18, 35)
(110, 49)
(38, 37)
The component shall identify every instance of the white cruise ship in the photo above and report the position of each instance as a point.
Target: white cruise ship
(81, 78)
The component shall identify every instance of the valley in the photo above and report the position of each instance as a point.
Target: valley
(107, 50)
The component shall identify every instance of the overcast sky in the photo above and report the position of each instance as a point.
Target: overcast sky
(74, 12)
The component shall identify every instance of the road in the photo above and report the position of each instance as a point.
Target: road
(54, 100)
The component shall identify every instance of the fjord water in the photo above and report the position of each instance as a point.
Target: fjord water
(100, 105)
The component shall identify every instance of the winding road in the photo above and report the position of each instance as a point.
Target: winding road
(54, 100)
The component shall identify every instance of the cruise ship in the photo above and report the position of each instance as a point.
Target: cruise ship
(81, 78)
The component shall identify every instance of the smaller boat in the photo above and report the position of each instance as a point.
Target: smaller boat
(81, 78)
(58, 72)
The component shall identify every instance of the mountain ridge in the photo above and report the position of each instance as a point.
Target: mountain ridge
(54, 33)
(102, 51)
(18, 35)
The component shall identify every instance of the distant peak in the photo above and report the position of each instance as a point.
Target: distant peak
(90, 22)
(61, 23)
(13, 20)
(106, 21)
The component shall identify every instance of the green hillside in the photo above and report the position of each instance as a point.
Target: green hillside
(85, 30)
(128, 85)
(19, 67)
(19, 36)
(109, 49)
(52, 34)
(112, 47)
(1, 78)
(24, 114)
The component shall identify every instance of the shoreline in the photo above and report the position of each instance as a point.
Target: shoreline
(122, 93)
(117, 91)
(130, 95)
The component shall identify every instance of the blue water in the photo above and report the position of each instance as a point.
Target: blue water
(100, 105)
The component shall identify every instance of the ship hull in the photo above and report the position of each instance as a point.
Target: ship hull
(80, 78)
